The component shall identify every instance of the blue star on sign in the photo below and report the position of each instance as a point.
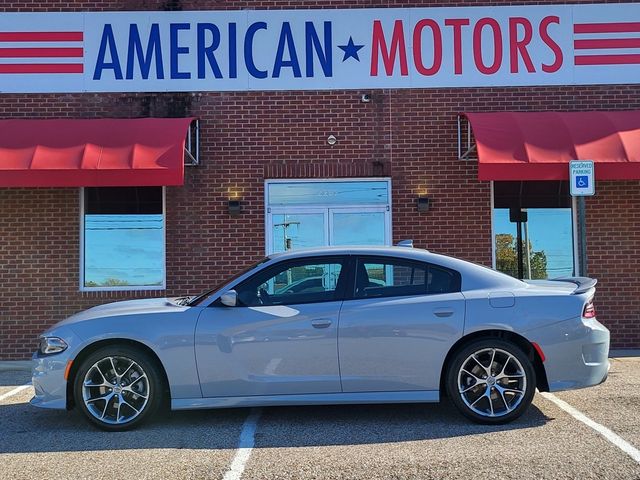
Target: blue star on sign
(350, 50)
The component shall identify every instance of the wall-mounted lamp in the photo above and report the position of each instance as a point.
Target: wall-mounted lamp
(422, 203)
(332, 140)
(235, 207)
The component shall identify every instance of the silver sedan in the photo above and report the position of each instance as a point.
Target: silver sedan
(373, 325)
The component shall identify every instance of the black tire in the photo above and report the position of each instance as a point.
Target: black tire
(123, 399)
(494, 399)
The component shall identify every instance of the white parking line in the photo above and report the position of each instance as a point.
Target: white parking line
(245, 445)
(14, 391)
(618, 441)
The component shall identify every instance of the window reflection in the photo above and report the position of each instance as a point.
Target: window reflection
(295, 283)
(123, 237)
(124, 250)
(328, 193)
(533, 226)
(314, 214)
(299, 230)
(547, 243)
(358, 228)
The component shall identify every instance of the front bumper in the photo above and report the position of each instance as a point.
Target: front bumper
(48, 381)
(48, 371)
(576, 352)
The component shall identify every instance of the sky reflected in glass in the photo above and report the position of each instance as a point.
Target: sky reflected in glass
(298, 230)
(358, 228)
(329, 193)
(124, 250)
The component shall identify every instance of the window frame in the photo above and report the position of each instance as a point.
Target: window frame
(122, 288)
(271, 210)
(342, 283)
(385, 260)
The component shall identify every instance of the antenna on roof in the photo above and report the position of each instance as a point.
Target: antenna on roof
(405, 243)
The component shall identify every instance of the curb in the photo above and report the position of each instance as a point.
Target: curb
(630, 352)
(15, 365)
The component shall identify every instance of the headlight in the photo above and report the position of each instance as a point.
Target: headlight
(49, 345)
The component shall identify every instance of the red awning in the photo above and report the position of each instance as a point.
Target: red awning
(91, 153)
(539, 145)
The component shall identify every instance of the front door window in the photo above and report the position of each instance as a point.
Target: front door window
(293, 283)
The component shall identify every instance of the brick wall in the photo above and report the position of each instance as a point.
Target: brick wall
(409, 135)
(613, 237)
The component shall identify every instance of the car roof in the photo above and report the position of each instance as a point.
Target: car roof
(350, 250)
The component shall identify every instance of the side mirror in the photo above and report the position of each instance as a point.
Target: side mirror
(230, 298)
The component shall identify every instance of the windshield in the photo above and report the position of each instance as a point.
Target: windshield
(203, 296)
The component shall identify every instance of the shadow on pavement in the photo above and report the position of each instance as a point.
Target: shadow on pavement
(367, 424)
(29, 429)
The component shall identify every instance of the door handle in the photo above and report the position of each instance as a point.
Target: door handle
(321, 323)
(442, 312)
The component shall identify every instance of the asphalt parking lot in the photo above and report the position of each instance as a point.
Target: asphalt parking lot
(367, 442)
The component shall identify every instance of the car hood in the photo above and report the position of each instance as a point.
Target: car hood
(125, 308)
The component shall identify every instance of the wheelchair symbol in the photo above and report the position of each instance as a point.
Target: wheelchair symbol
(582, 181)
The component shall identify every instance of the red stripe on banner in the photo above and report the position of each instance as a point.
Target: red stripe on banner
(607, 59)
(606, 27)
(42, 68)
(41, 36)
(40, 52)
(607, 43)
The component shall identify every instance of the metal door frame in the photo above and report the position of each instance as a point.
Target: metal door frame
(325, 208)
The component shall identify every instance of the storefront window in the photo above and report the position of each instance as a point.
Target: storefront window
(533, 228)
(314, 214)
(123, 238)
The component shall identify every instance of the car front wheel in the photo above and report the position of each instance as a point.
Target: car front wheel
(491, 381)
(118, 387)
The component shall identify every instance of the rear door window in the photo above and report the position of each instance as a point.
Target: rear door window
(391, 277)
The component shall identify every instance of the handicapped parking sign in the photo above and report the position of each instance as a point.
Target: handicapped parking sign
(582, 181)
(581, 178)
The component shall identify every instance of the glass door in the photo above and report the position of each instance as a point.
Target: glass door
(307, 214)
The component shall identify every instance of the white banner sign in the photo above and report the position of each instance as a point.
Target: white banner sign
(320, 49)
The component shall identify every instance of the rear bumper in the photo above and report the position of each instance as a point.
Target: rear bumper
(576, 351)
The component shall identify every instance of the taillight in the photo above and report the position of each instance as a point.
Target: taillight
(589, 310)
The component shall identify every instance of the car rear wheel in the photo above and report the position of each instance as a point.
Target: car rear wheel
(118, 387)
(491, 381)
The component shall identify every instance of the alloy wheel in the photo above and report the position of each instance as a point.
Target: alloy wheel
(115, 390)
(492, 382)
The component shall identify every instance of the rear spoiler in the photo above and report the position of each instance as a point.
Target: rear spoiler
(584, 283)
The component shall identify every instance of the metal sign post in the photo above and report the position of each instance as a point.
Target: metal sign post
(582, 184)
